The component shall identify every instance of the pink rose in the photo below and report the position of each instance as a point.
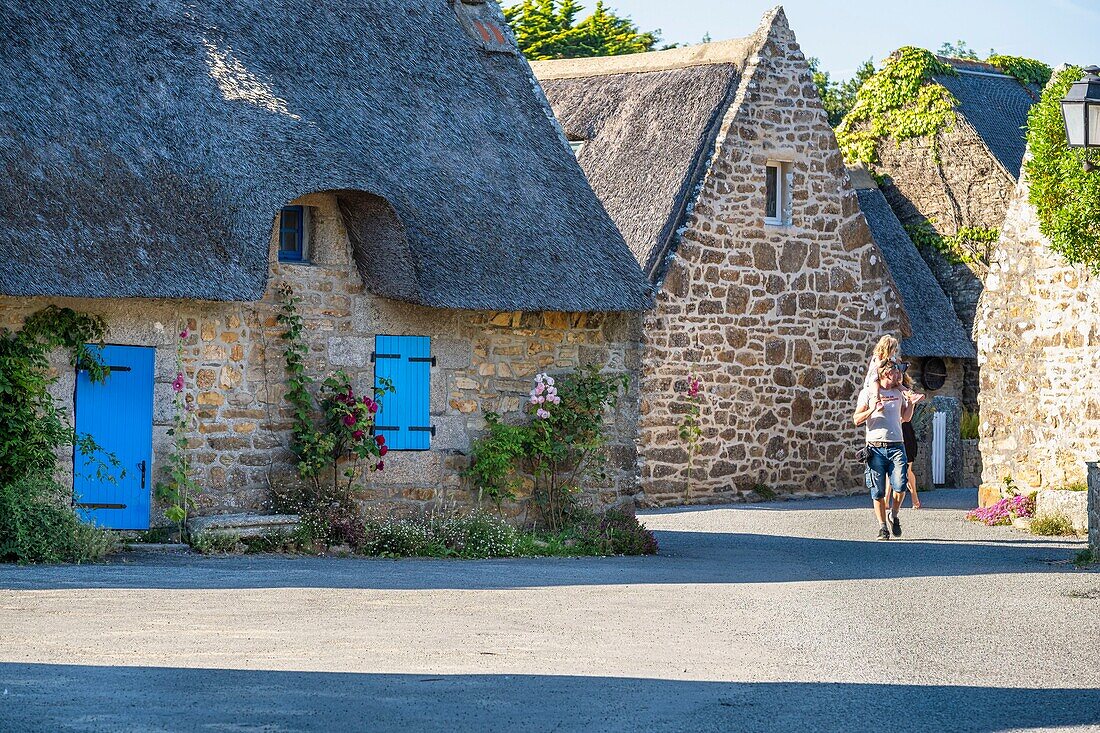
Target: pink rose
(542, 413)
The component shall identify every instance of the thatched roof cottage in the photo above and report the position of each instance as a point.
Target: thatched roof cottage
(174, 166)
(718, 165)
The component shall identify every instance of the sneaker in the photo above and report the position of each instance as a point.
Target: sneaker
(884, 534)
(895, 525)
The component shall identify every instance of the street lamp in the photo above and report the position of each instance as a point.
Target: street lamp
(1081, 112)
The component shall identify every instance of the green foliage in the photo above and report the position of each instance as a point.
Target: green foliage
(559, 447)
(1053, 525)
(968, 425)
(548, 29)
(1025, 71)
(958, 50)
(215, 543)
(1066, 198)
(1085, 558)
(838, 97)
(493, 460)
(765, 492)
(38, 526)
(33, 428)
(970, 245)
(900, 102)
(338, 449)
(179, 489)
(1075, 486)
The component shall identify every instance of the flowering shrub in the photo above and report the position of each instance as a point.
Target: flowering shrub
(341, 445)
(1004, 511)
(691, 432)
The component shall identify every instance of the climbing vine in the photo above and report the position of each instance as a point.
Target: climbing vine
(34, 429)
(969, 245)
(900, 102)
(1065, 196)
(1023, 70)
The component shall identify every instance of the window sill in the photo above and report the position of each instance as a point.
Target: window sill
(777, 223)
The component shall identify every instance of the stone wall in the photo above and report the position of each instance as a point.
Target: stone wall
(1038, 340)
(234, 366)
(779, 321)
(971, 463)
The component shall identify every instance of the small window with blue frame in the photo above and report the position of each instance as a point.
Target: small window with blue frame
(292, 234)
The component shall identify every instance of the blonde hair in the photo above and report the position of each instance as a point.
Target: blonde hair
(886, 347)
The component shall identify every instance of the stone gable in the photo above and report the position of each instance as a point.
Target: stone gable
(778, 321)
(1038, 327)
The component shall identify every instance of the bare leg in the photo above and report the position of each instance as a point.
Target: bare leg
(913, 487)
(880, 510)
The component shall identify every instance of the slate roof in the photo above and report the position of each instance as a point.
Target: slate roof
(995, 105)
(147, 146)
(649, 123)
(936, 329)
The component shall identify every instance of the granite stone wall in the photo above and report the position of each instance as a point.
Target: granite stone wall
(1038, 329)
(778, 321)
(233, 361)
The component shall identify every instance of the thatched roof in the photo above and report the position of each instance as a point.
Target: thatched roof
(648, 122)
(147, 147)
(936, 329)
(995, 105)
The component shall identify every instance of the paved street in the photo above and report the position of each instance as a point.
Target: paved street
(776, 616)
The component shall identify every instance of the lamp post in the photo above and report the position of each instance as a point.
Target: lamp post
(1081, 112)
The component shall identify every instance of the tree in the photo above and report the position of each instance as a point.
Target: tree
(959, 50)
(838, 97)
(548, 29)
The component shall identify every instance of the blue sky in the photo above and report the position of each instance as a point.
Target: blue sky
(843, 33)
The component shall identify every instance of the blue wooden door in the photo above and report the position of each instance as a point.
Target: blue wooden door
(405, 419)
(118, 414)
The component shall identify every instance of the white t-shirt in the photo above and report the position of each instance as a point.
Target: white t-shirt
(883, 426)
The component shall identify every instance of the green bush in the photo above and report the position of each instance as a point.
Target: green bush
(968, 425)
(1075, 486)
(1053, 525)
(215, 543)
(37, 527)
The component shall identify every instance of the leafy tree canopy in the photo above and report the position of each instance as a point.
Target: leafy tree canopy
(960, 50)
(549, 29)
(838, 97)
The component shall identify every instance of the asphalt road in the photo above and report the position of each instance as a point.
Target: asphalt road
(770, 617)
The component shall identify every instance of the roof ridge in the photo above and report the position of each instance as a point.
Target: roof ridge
(730, 51)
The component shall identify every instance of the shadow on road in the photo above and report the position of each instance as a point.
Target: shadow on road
(686, 557)
(54, 697)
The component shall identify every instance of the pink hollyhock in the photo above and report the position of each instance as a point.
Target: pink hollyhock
(358, 434)
(184, 333)
(177, 383)
(349, 420)
(383, 450)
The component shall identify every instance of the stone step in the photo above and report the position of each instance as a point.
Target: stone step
(244, 525)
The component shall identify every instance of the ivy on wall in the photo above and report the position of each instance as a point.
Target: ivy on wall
(900, 102)
(1065, 196)
(969, 245)
(1025, 71)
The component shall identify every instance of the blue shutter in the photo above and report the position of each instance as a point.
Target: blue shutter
(405, 414)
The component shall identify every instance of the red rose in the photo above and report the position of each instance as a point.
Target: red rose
(380, 439)
(358, 435)
(349, 420)
(383, 450)
(379, 466)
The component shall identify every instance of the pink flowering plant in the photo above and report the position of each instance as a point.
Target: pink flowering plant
(338, 449)
(691, 429)
(1007, 509)
(178, 490)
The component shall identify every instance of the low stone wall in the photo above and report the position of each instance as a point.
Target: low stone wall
(971, 463)
(1071, 504)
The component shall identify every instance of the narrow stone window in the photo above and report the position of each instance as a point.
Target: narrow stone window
(777, 185)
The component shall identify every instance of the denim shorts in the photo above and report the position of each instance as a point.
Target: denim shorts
(882, 463)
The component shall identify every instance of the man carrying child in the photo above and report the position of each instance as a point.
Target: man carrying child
(883, 406)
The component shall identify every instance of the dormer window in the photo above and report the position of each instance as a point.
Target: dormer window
(777, 187)
(292, 234)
